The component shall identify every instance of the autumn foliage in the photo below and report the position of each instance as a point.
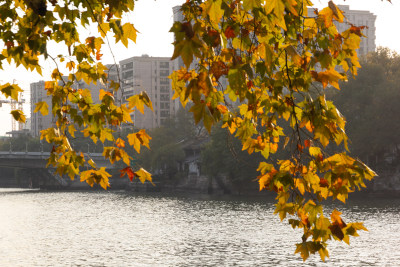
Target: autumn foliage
(277, 57)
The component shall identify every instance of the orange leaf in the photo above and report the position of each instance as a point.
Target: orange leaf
(120, 143)
(103, 93)
(128, 171)
(307, 143)
(98, 55)
(229, 32)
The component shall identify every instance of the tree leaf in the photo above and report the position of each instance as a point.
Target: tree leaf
(42, 107)
(18, 115)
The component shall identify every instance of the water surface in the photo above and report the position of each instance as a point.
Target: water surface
(127, 229)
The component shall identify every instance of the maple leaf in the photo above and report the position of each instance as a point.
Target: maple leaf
(143, 175)
(11, 90)
(128, 171)
(42, 107)
(138, 139)
(18, 115)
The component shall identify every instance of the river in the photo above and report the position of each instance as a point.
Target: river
(129, 229)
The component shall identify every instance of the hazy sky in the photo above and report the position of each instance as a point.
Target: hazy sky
(153, 20)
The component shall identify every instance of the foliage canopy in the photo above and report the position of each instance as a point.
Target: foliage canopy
(277, 58)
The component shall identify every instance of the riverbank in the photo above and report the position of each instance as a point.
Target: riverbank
(385, 185)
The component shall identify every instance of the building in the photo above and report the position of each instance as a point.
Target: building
(178, 62)
(39, 94)
(149, 74)
(39, 122)
(113, 72)
(358, 18)
(361, 18)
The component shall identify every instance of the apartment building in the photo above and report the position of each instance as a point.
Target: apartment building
(149, 74)
(39, 122)
(39, 94)
(358, 18)
(361, 18)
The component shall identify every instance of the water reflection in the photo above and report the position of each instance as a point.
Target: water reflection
(121, 229)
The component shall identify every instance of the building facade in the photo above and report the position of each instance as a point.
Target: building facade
(39, 94)
(358, 18)
(39, 122)
(149, 74)
(361, 18)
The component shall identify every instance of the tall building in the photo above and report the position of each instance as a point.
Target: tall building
(361, 18)
(149, 74)
(358, 18)
(39, 94)
(113, 71)
(178, 62)
(177, 13)
(39, 122)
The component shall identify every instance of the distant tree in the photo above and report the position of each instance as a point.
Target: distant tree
(223, 155)
(370, 104)
(165, 152)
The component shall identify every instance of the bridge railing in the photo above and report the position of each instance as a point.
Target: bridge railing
(41, 155)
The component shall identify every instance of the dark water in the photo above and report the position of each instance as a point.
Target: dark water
(125, 229)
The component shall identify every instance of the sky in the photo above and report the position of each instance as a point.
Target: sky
(153, 19)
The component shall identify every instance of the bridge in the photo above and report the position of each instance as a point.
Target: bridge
(38, 160)
(29, 170)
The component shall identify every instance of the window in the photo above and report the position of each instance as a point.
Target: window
(128, 82)
(127, 74)
(127, 66)
(164, 113)
(164, 72)
(164, 64)
(164, 105)
(164, 80)
(164, 97)
(164, 89)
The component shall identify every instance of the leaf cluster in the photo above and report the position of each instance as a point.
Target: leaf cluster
(27, 28)
(278, 60)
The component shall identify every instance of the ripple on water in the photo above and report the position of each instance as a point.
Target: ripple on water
(121, 229)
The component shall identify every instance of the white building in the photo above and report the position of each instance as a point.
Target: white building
(149, 74)
(39, 122)
(39, 94)
(358, 18)
(361, 18)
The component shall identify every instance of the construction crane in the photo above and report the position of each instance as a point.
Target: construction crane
(14, 104)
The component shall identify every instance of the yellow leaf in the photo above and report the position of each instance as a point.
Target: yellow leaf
(92, 163)
(143, 175)
(11, 90)
(323, 253)
(299, 183)
(327, 16)
(104, 93)
(139, 101)
(129, 32)
(18, 115)
(72, 130)
(213, 10)
(314, 151)
(42, 107)
(138, 139)
(70, 65)
(337, 13)
(120, 143)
